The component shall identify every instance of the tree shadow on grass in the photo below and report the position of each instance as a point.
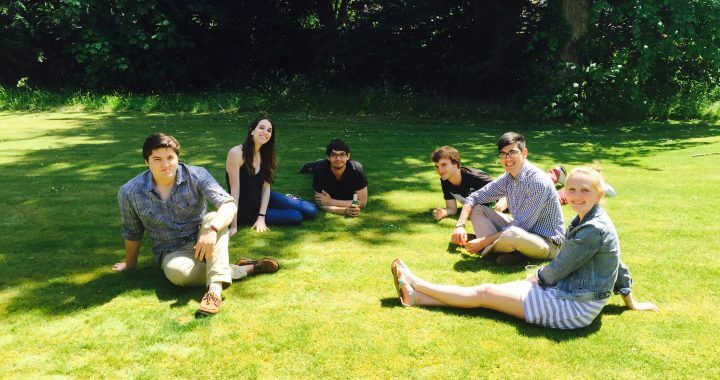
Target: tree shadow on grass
(59, 194)
(67, 297)
(523, 328)
(61, 297)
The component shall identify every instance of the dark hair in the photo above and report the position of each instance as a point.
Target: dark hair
(337, 144)
(509, 138)
(267, 151)
(159, 141)
(448, 152)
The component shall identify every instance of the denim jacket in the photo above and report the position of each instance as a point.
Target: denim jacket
(588, 266)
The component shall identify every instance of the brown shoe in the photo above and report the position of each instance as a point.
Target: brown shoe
(513, 258)
(264, 265)
(210, 304)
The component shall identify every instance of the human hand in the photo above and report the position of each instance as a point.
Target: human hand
(232, 230)
(260, 225)
(352, 211)
(459, 236)
(439, 213)
(205, 245)
(323, 198)
(121, 266)
(501, 205)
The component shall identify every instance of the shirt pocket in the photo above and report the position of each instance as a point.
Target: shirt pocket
(188, 210)
(152, 217)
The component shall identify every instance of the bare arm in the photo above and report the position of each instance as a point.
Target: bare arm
(260, 225)
(450, 209)
(459, 236)
(362, 197)
(642, 306)
(132, 251)
(205, 246)
(336, 206)
(232, 167)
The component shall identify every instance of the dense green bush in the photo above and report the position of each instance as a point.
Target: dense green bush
(641, 58)
(577, 60)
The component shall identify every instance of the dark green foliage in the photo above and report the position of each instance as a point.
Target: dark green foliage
(639, 58)
(578, 60)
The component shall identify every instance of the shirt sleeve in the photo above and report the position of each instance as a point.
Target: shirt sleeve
(132, 227)
(212, 190)
(446, 191)
(624, 282)
(576, 251)
(317, 181)
(489, 193)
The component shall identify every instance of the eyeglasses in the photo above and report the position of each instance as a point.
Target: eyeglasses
(338, 155)
(512, 154)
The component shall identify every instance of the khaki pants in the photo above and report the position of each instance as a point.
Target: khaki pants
(487, 221)
(183, 269)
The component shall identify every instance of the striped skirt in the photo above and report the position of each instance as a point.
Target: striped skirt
(543, 307)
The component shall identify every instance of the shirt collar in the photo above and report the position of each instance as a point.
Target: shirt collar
(523, 171)
(148, 184)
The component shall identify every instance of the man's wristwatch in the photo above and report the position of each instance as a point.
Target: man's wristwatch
(458, 225)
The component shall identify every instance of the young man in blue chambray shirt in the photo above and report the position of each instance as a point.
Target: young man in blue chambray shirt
(168, 201)
(535, 227)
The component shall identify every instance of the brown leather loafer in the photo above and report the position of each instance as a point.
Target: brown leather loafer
(210, 304)
(264, 265)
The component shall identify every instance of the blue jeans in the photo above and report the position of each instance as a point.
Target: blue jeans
(285, 211)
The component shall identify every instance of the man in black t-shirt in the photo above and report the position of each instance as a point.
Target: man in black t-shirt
(337, 179)
(457, 181)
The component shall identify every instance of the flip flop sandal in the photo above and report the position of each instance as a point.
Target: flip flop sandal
(400, 283)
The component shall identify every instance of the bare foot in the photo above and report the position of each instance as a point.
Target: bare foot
(477, 245)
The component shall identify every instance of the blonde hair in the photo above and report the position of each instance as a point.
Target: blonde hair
(595, 177)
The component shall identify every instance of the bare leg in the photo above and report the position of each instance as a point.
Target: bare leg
(505, 298)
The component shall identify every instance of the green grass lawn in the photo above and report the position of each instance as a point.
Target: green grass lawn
(332, 310)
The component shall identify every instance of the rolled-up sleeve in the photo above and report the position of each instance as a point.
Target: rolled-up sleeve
(212, 190)
(574, 253)
(624, 282)
(132, 227)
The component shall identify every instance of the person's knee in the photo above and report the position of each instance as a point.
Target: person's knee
(480, 211)
(513, 232)
(177, 276)
(308, 210)
(478, 297)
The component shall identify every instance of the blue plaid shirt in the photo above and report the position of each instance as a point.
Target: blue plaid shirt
(173, 223)
(532, 201)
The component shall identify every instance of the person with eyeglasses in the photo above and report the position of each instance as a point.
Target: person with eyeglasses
(534, 227)
(337, 179)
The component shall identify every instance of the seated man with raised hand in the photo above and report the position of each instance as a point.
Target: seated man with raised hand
(169, 202)
(337, 179)
(457, 181)
(535, 227)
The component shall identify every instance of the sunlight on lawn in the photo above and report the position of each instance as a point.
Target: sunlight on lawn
(332, 311)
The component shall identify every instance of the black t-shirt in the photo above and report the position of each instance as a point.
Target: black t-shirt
(352, 180)
(471, 180)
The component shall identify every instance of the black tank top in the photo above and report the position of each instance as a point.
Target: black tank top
(250, 195)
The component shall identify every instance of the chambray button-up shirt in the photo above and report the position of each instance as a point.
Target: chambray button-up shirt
(532, 201)
(173, 223)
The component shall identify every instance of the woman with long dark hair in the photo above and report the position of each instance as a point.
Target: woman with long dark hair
(250, 169)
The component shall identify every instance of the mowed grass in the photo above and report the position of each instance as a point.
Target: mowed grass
(332, 312)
